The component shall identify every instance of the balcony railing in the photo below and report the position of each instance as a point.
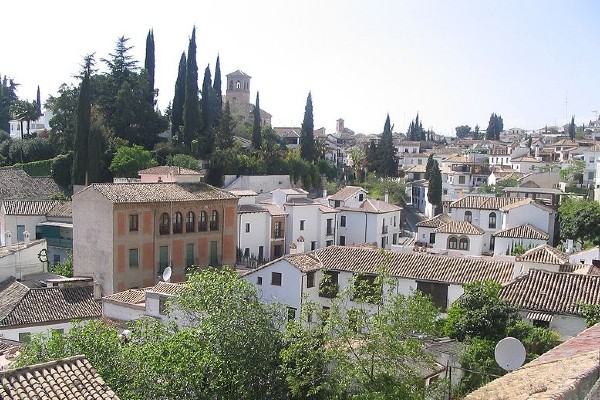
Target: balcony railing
(58, 242)
(278, 234)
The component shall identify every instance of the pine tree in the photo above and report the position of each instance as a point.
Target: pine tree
(149, 65)
(256, 132)
(434, 193)
(178, 97)
(572, 128)
(307, 133)
(83, 127)
(207, 136)
(191, 106)
(429, 167)
(8, 97)
(387, 151)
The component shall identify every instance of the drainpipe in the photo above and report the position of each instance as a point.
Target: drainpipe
(366, 223)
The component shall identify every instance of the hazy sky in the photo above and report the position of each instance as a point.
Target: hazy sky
(454, 62)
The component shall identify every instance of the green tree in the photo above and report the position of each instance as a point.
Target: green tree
(476, 133)
(415, 130)
(573, 173)
(38, 102)
(81, 161)
(307, 138)
(8, 96)
(64, 268)
(388, 166)
(572, 128)
(579, 220)
(183, 161)
(150, 66)
(131, 159)
(64, 120)
(191, 106)
(209, 116)
(434, 193)
(224, 137)
(495, 126)
(359, 161)
(429, 167)
(256, 131)
(179, 97)
(463, 131)
(218, 94)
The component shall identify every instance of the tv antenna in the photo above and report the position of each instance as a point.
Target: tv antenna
(166, 275)
(510, 353)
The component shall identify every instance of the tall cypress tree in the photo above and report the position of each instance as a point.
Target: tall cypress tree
(224, 136)
(307, 133)
(83, 126)
(429, 167)
(39, 101)
(434, 192)
(256, 132)
(387, 151)
(207, 136)
(178, 97)
(217, 89)
(149, 65)
(191, 109)
(572, 128)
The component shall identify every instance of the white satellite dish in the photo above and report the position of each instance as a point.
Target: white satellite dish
(509, 353)
(166, 275)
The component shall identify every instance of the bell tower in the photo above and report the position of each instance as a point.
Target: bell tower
(238, 88)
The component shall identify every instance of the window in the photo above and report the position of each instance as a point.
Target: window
(463, 244)
(343, 220)
(190, 224)
(329, 243)
(329, 227)
(261, 253)
(56, 259)
(592, 159)
(461, 180)
(190, 258)
(395, 238)
(163, 258)
(437, 291)
(342, 240)
(214, 247)
(277, 250)
(259, 280)
(313, 245)
(202, 222)
(278, 231)
(432, 238)
(25, 337)
(329, 286)
(133, 223)
(361, 196)
(20, 233)
(310, 279)
(301, 224)
(492, 220)
(276, 278)
(492, 243)
(291, 314)
(178, 223)
(247, 252)
(134, 260)
(452, 242)
(247, 227)
(468, 216)
(336, 203)
(214, 221)
(367, 289)
(165, 221)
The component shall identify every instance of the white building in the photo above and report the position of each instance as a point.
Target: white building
(20, 259)
(35, 127)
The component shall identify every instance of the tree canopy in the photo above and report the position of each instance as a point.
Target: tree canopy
(579, 220)
(307, 139)
(495, 126)
(131, 159)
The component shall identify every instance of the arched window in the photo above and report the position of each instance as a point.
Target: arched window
(468, 216)
(493, 220)
(191, 222)
(202, 223)
(214, 221)
(452, 242)
(463, 244)
(178, 223)
(165, 222)
(238, 85)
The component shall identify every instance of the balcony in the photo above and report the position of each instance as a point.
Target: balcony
(384, 229)
(59, 242)
(278, 234)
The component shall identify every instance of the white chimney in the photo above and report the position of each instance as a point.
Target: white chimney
(537, 150)
(569, 249)
(97, 291)
(8, 241)
(293, 248)
(27, 237)
(300, 245)
(324, 193)
(386, 198)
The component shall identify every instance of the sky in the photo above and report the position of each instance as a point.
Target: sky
(534, 63)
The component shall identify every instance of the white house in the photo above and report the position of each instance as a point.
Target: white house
(526, 235)
(460, 237)
(526, 163)
(317, 276)
(365, 220)
(20, 259)
(39, 125)
(426, 228)
(419, 200)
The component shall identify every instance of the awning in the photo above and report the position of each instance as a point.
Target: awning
(539, 316)
(59, 224)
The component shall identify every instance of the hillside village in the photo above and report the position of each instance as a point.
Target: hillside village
(117, 251)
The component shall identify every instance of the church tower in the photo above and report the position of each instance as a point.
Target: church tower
(238, 88)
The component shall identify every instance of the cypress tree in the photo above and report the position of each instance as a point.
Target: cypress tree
(149, 65)
(191, 109)
(178, 97)
(434, 193)
(256, 132)
(387, 151)
(83, 126)
(429, 167)
(39, 102)
(217, 88)
(572, 128)
(307, 133)
(224, 139)
(208, 115)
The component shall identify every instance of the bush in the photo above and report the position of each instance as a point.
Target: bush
(62, 169)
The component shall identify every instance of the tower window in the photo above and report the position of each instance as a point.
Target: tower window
(238, 85)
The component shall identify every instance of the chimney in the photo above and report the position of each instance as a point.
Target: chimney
(300, 245)
(27, 237)
(293, 248)
(386, 198)
(537, 150)
(8, 241)
(97, 291)
(324, 193)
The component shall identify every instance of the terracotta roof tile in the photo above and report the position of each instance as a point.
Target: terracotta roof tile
(16, 184)
(346, 192)
(372, 206)
(544, 254)
(159, 192)
(525, 231)
(168, 170)
(460, 228)
(71, 378)
(61, 209)
(484, 202)
(435, 222)
(553, 292)
(28, 207)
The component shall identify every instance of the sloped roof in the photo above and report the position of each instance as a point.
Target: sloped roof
(168, 170)
(417, 169)
(61, 209)
(525, 231)
(373, 206)
(419, 266)
(123, 193)
(238, 73)
(460, 228)
(16, 184)
(525, 159)
(346, 192)
(484, 202)
(27, 207)
(544, 254)
(66, 379)
(435, 222)
(21, 305)
(130, 296)
(553, 292)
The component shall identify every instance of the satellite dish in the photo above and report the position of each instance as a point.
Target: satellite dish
(166, 275)
(509, 353)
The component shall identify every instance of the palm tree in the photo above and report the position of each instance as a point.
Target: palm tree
(359, 160)
(18, 109)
